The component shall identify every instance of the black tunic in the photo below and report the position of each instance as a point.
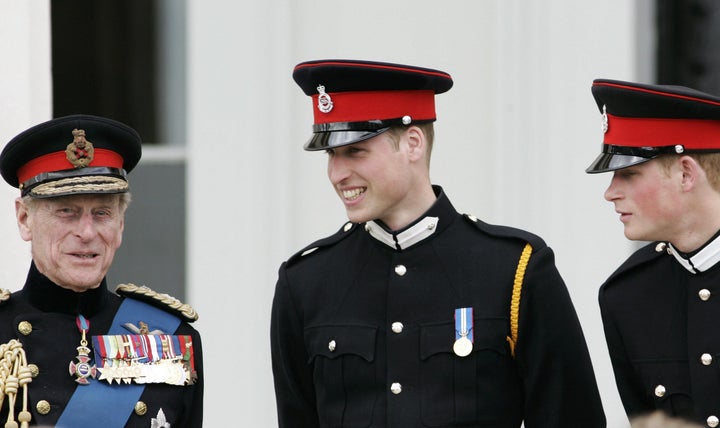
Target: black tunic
(661, 325)
(51, 346)
(354, 289)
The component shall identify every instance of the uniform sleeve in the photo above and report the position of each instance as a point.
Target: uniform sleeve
(628, 383)
(195, 394)
(294, 390)
(553, 359)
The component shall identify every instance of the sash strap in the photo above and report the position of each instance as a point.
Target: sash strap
(106, 405)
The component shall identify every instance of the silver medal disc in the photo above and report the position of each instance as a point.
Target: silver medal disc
(463, 347)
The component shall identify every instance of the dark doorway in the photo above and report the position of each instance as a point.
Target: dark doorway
(103, 61)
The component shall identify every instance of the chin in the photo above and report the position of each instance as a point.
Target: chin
(357, 217)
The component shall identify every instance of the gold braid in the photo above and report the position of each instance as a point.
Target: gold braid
(515, 300)
(14, 373)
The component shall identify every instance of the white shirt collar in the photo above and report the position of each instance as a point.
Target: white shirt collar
(405, 239)
(703, 260)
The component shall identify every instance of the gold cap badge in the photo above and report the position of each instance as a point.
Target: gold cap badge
(81, 151)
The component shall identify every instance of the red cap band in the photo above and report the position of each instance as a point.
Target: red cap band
(58, 161)
(654, 132)
(376, 105)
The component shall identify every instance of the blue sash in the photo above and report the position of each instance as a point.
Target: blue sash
(101, 404)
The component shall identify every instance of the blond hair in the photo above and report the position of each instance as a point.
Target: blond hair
(427, 129)
(709, 162)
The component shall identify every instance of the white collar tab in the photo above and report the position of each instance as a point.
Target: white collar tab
(405, 239)
(706, 258)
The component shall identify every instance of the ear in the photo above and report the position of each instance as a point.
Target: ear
(691, 171)
(22, 215)
(417, 144)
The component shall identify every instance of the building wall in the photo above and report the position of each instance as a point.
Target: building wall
(513, 139)
(24, 100)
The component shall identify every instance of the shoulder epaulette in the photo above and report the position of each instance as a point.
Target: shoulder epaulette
(507, 232)
(644, 255)
(4, 295)
(160, 300)
(333, 239)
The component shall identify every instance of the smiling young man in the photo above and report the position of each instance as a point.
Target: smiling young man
(81, 355)
(413, 315)
(662, 144)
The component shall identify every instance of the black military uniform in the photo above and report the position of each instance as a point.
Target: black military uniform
(658, 309)
(367, 323)
(66, 386)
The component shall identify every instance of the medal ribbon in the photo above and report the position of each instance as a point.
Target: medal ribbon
(83, 326)
(113, 404)
(464, 323)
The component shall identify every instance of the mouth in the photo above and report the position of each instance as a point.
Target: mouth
(84, 256)
(624, 216)
(352, 194)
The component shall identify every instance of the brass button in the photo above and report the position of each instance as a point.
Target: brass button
(396, 388)
(42, 407)
(397, 327)
(660, 391)
(140, 408)
(706, 359)
(34, 370)
(25, 328)
(400, 270)
(713, 421)
(704, 294)
(331, 346)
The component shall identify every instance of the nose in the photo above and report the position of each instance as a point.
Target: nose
(612, 193)
(337, 169)
(85, 229)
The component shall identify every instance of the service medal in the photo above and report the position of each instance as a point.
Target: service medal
(463, 345)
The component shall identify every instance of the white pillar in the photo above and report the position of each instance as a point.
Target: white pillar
(513, 139)
(25, 99)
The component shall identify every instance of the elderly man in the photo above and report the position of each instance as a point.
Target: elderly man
(76, 354)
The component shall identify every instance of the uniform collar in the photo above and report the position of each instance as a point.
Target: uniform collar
(440, 213)
(700, 260)
(47, 296)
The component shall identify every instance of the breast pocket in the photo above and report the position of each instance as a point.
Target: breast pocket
(667, 384)
(465, 390)
(342, 359)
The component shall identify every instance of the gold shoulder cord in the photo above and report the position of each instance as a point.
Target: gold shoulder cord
(14, 374)
(515, 300)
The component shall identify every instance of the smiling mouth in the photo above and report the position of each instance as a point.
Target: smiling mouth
(85, 256)
(354, 193)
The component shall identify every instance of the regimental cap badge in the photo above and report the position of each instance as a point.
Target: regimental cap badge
(81, 151)
(604, 119)
(325, 103)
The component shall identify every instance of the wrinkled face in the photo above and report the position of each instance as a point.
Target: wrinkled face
(648, 200)
(373, 179)
(73, 238)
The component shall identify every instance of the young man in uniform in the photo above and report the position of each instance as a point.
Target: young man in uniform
(413, 315)
(659, 308)
(73, 353)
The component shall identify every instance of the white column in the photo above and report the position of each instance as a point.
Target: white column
(25, 99)
(513, 139)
